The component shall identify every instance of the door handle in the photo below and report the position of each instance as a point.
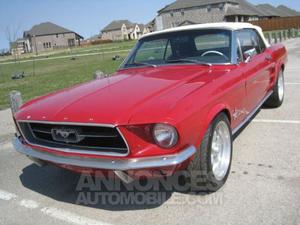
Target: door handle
(268, 58)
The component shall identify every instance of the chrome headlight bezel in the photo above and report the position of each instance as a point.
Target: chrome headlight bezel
(165, 135)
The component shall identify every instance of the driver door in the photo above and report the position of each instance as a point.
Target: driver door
(255, 66)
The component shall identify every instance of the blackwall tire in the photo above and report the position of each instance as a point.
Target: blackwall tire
(204, 176)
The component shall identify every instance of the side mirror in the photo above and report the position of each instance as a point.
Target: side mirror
(248, 55)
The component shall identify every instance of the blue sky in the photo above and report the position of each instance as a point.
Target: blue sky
(85, 17)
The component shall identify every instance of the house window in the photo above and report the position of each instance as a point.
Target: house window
(49, 44)
(182, 13)
(208, 8)
(71, 42)
(56, 35)
(221, 7)
(44, 44)
(171, 14)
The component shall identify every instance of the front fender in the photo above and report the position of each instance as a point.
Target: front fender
(215, 110)
(211, 115)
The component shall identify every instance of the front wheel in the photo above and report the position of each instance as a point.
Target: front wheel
(277, 97)
(211, 164)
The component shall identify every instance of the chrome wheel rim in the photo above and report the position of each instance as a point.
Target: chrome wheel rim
(220, 150)
(280, 86)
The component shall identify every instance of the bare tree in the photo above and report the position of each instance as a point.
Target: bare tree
(11, 32)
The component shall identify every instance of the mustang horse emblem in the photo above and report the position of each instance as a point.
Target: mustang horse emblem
(66, 135)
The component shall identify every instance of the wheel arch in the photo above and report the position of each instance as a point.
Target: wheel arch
(212, 114)
(216, 110)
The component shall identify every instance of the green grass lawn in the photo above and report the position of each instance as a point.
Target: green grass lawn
(54, 74)
(73, 51)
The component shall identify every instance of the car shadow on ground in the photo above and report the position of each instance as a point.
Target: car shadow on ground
(102, 193)
(64, 186)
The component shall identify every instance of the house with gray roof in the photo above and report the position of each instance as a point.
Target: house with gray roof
(287, 12)
(269, 10)
(119, 30)
(280, 11)
(185, 12)
(48, 36)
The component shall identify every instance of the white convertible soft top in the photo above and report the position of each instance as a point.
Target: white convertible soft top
(223, 25)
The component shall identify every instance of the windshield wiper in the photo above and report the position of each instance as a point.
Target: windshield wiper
(189, 61)
(141, 64)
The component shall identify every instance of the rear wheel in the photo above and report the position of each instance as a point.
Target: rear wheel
(211, 164)
(277, 97)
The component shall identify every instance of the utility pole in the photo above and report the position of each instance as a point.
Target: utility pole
(36, 53)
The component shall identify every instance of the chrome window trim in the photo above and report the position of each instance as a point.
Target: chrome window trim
(177, 64)
(69, 150)
(132, 53)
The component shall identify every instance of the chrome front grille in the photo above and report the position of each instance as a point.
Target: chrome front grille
(71, 137)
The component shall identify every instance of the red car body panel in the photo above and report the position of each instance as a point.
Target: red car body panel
(185, 96)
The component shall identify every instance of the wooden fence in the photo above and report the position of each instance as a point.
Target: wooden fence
(279, 29)
(284, 23)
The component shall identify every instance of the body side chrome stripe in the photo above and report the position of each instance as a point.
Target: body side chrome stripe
(238, 127)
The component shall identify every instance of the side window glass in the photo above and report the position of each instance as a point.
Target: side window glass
(248, 42)
(261, 43)
(255, 41)
(239, 51)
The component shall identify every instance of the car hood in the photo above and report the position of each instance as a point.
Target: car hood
(151, 92)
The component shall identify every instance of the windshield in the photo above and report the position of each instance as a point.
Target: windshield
(209, 46)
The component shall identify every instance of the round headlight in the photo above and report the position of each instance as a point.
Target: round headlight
(165, 135)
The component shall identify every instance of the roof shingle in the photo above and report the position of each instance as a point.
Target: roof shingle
(285, 11)
(117, 25)
(245, 8)
(47, 28)
(184, 4)
(269, 10)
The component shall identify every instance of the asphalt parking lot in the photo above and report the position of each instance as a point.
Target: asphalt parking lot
(263, 187)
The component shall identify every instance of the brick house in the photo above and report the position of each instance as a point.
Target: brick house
(48, 36)
(185, 12)
(119, 30)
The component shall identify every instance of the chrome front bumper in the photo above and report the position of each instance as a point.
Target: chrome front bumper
(109, 164)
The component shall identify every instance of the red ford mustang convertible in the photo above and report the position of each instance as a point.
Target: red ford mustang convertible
(174, 105)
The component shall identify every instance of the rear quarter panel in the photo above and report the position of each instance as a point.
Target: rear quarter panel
(279, 56)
